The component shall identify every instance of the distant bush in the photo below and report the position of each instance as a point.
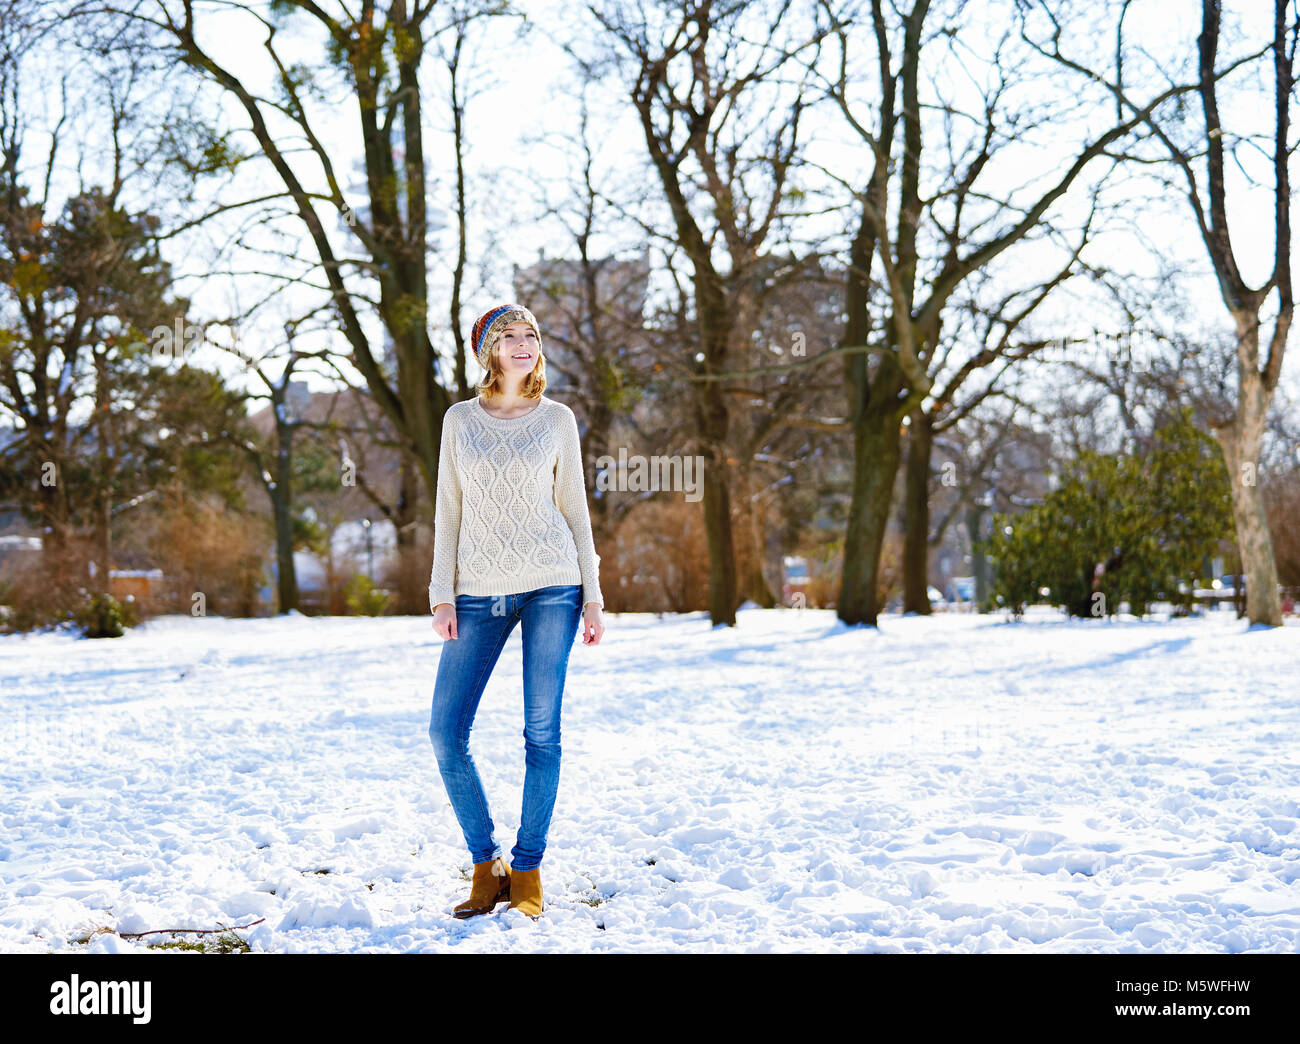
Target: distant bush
(130, 611)
(202, 546)
(103, 616)
(364, 598)
(42, 591)
(1148, 520)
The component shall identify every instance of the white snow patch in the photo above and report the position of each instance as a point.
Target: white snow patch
(951, 783)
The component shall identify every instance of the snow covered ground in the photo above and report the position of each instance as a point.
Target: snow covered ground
(955, 783)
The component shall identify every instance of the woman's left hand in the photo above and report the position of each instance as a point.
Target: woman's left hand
(592, 628)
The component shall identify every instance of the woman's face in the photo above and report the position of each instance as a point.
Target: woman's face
(518, 350)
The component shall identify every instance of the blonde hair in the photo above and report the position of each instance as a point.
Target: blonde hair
(492, 382)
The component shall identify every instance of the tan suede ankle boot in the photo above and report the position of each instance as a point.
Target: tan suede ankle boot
(526, 891)
(491, 885)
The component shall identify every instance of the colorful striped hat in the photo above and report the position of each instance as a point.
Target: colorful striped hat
(489, 324)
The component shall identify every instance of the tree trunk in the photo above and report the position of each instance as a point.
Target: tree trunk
(286, 575)
(916, 542)
(600, 421)
(103, 526)
(1241, 442)
(282, 505)
(712, 422)
(55, 525)
(978, 563)
(103, 542)
(412, 588)
(876, 455)
(755, 587)
(717, 535)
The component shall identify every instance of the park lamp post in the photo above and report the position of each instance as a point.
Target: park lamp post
(370, 550)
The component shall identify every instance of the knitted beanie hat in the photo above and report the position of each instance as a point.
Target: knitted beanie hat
(489, 324)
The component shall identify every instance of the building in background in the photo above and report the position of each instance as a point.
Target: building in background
(583, 310)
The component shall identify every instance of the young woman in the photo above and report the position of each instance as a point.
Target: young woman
(512, 543)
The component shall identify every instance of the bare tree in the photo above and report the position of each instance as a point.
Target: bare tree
(594, 300)
(998, 345)
(699, 72)
(896, 378)
(79, 284)
(457, 54)
(1238, 421)
(373, 56)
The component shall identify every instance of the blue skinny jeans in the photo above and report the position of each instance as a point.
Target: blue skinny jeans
(550, 616)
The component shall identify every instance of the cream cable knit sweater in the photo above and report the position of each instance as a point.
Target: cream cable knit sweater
(511, 513)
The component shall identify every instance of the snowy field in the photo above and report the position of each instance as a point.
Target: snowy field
(957, 783)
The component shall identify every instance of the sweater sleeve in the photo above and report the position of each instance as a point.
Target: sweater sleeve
(571, 499)
(446, 522)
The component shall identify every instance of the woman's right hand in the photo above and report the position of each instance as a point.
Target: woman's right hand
(444, 620)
